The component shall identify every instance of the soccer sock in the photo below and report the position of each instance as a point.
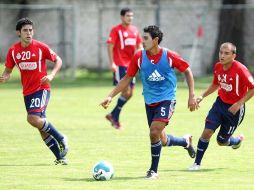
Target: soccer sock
(155, 153)
(201, 148)
(116, 111)
(176, 141)
(53, 146)
(50, 129)
(233, 141)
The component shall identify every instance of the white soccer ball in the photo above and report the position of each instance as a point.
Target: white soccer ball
(103, 171)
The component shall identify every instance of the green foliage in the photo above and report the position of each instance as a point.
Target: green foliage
(27, 164)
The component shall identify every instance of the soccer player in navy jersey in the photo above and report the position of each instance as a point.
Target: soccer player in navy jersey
(124, 40)
(29, 56)
(235, 86)
(156, 68)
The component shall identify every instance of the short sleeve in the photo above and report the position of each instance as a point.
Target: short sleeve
(9, 59)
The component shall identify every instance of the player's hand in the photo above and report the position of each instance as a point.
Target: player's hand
(192, 104)
(47, 79)
(113, 67)
(4, 78)
(199, 99)
(105, 103)
(234, 108)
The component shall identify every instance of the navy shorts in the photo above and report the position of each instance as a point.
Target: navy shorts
(219, 116)
(119, 74)
(37, 102)
(161, 111)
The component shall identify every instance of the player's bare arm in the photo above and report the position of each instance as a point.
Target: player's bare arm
(124, 82)
(6, 75)
(192, 105)
(112, 65)
(212, 88)
(236, 106)
(56, 68)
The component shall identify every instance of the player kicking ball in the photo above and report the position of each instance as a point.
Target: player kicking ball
(156, 68)
(235, 86)
(30, 56)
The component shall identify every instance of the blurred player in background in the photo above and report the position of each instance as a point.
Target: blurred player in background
(235, 86)
(124, 40)
(156, 68)
(29, 56)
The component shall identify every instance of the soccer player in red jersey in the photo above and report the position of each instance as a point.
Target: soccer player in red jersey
(235, 86)
(124, 40)
(29, 56)
(156, 67)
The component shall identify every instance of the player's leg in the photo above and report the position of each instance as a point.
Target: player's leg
(126, 94)
(213, 121)
(36, 105)
(228, 127)
(156, 129)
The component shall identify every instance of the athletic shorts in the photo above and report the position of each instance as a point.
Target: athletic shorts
(119, 74)
(219, 116)
(37, 102)
(161, 111)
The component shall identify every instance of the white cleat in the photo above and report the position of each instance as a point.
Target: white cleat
(189, 147)
(194, 167)
(63, 145)
(241, 137)
(151, 175)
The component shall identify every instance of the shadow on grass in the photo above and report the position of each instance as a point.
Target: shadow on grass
(114, 179)
(21, 165)
(201, 170)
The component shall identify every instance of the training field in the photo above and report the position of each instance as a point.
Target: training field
(27, 164)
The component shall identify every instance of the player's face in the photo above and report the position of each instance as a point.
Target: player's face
(26, 34)
(148, 42)
(127, 18)
(226, 55)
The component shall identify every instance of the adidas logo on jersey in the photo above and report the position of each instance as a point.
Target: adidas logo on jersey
(155, 76)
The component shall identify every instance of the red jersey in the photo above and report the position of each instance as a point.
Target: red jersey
(233, 83)
(174, 59)
(31, 62)
(125, 41)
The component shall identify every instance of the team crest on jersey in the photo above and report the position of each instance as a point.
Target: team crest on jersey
(222, 78)
(155, 76)
(18, 56)
(27, 65)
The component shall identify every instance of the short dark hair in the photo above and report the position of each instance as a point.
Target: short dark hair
(154, 31)
(125, 10)
(22, 22)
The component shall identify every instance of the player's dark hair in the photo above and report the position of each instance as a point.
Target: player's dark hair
(22, 22)
(125, 10)
(154, 31)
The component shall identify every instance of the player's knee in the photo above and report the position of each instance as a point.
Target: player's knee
(154, 133)
(222, 141)
(33, 120)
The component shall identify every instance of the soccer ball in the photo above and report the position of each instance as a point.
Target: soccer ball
(103, 171)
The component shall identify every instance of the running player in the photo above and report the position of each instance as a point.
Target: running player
(123, 41)
(235, 86)
(30, 56)
(156, 68)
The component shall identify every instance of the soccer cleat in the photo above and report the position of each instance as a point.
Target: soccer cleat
(115, 124)
(189, 147)
(63, 145)
(194, 167)
(61, 161)
(151, 175)
(241, 137)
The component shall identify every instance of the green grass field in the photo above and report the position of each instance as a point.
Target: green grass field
(27, 164)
